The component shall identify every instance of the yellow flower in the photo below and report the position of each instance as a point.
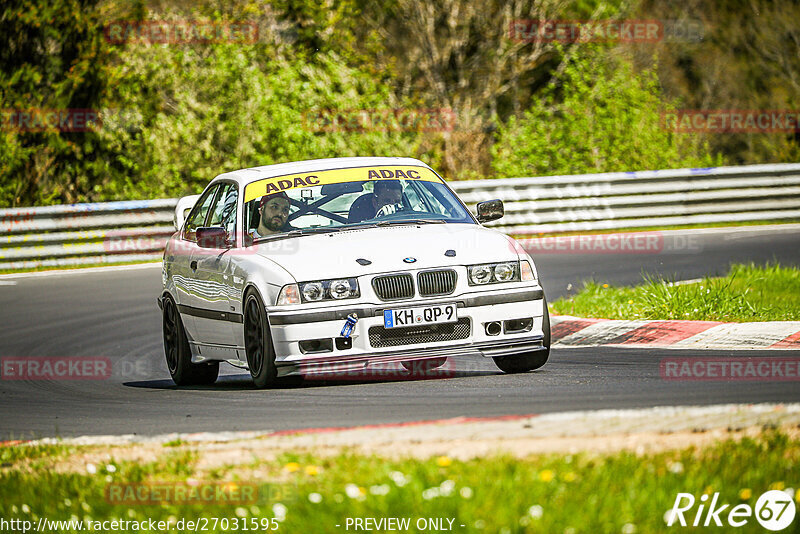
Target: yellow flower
(745, 494)
(312, 470)
(546, 475)
(443, 461)
(709, 490)
(777, 486)
(605, 286)
(630, 302)
(292, 467)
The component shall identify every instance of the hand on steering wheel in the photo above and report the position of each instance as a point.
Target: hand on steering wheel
(388, 209)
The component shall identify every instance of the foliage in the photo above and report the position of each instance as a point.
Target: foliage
(600, 116)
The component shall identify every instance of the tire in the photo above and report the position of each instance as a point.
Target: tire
(178, 353)
(423, 366)
(258, 342)
(522, 363)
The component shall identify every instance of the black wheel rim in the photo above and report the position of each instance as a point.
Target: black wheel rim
(171, 335)
(254, 337)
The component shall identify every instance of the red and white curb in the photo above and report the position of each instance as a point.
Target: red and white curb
(576, 332)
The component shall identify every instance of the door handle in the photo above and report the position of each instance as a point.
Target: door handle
(193, 265)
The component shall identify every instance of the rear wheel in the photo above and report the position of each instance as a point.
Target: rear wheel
(178, 353)
(258, 342)
(521, 363)
(423, 366)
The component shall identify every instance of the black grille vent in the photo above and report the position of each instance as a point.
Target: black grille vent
(394, 286)
(415, 335)
(436, 283)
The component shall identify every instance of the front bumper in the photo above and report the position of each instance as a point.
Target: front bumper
(290, 327)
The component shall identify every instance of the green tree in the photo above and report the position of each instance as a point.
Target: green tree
(598, 116)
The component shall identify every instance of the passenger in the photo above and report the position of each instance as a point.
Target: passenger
(387, 193)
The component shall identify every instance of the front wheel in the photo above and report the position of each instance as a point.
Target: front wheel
(258, 342)
(521, 363)
(178, 353)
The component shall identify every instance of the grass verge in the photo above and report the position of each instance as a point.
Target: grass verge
(746, 293)
(619, 492)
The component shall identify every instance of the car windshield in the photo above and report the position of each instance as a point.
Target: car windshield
(348, 198)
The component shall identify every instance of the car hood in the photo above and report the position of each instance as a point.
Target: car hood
(334, 255)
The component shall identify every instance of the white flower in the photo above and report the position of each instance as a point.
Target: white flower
(675, 467)
(352, 491)
(398, 478)
(465, 492)
(447, 487)
(628, 528)
(26, 509)
(279, 511)
(316, 498)
(111, 468)
(381, 489)
(670, 516)
(91, 469)
(241, 512)
(535, 511)
(430, 493)
(67, 502)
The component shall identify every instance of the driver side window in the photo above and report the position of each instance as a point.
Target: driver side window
(223, 214)
(198, 216)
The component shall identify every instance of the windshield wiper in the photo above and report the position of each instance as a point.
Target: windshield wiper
(411, 221)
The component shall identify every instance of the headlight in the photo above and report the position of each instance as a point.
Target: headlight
(340, 289)
(480, 274)
(319, 290)
(493, 273)
(313, 291)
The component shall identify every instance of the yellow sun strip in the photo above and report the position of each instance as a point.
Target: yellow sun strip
(337, 176)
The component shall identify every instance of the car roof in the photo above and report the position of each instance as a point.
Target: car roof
(246, 176)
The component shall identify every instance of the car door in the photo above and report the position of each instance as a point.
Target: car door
(213, 273)
(183, 274)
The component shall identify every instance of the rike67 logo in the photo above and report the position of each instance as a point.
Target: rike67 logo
(774, 510)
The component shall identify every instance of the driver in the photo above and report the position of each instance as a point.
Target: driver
(386, 198)
(274, 212)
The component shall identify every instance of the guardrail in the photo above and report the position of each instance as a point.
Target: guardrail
(114, 232)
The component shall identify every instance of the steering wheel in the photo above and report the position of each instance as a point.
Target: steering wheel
(388, 209)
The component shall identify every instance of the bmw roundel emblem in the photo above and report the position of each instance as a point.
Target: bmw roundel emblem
(409, 260)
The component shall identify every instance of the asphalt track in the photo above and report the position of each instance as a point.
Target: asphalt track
(113, 314)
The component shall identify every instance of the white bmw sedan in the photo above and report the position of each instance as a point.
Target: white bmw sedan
(335, 265)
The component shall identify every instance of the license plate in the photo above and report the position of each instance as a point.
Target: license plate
(442, 313)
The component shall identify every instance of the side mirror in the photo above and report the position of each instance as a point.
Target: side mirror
(212, 237)
(490, 210)
(182, 210)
